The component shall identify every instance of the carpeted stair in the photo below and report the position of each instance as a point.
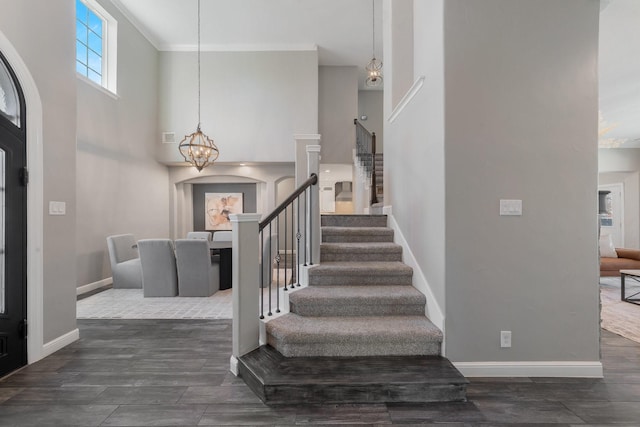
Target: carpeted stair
(360, 303)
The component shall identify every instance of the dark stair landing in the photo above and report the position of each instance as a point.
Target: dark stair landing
(278, 379)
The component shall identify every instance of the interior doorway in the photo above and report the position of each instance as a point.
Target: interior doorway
(612, 213)
(13, 220)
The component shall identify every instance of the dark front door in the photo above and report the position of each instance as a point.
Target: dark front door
(13, 242)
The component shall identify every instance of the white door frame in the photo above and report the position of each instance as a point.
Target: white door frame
(619, 188)
(35, 227)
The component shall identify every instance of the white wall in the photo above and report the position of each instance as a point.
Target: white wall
(414, 155)
(370, 103)
(521, 99)
(338, 106)
(622, 165)
(121, 188)
(249, 99)
(43, 35)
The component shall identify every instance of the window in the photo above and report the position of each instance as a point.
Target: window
(96, 44)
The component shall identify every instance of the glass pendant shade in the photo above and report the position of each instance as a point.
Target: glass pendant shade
(374, 73)
(198, 149)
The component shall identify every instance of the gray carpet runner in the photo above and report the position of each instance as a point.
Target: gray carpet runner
(360, 300)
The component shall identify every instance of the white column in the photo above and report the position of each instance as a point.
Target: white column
(313, 213)
(302, 174)
(245, 284)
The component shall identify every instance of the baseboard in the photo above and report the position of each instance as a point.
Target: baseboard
(434, 312)
(93, 286)
(233, 365)
(60, 342)
(530, 369)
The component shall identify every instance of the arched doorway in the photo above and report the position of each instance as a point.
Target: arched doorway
(13, 222)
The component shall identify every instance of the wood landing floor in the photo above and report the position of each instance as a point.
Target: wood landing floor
(175, 373)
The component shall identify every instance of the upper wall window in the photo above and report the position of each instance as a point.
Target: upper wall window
(96, 44)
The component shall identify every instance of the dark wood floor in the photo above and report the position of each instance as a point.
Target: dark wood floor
(175, 373)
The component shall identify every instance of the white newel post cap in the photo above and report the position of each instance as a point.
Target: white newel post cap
(245, 217)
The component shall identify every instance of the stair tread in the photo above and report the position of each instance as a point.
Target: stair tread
(389, 268)
(360, 247)
(291, 328)
(334, 229)
(361, 295)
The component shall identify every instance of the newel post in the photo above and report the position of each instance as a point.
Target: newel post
(313, 166)
(245, 284)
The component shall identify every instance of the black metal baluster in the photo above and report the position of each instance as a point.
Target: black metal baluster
(262, 275)
(298, 238)
(305, 228)
(285, 248)
(269, 267)
(310, 232)
(278, 264)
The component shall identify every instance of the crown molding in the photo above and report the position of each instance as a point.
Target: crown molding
(239, 47)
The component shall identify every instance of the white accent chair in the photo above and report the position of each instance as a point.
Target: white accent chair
(198, 275)
(204, 235)
(222, 236)
(159, 275)
(126, 270)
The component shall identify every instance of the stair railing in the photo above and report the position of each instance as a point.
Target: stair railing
(296, 226)
(366, 155)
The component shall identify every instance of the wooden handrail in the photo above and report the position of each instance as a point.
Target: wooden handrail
(312, 180)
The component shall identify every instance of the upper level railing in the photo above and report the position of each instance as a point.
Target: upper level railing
(366, 155)
(280, 233)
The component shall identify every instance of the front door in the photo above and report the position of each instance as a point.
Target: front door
(13, 242)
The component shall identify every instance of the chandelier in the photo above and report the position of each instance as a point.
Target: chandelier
(374, 67)
(197, 148)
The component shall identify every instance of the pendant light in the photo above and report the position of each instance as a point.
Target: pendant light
(198, 149)
(374, 67)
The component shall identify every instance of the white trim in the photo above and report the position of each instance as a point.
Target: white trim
(275, 47)
(433, 310)
(406, 99)
(247, 217)
(530, 369)
(97, 86)
(233, 365)
(60, 342)
(93, 286)
(304, 136)
(35, 207)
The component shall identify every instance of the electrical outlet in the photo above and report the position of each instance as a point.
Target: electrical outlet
(505, 339)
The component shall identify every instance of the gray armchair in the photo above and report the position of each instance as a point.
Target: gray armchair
(159, 276)
(125, 262)
(222, 236)
(198, 275)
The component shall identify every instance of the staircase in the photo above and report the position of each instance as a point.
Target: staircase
(378, 165)
(358, 332)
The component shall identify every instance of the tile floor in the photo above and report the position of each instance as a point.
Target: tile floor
(175, 373)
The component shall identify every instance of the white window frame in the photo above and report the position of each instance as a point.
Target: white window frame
(109, 47)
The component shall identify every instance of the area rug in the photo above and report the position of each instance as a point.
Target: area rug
(617, 316)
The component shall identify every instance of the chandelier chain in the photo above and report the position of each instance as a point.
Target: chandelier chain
(373, 27)
(198, 64)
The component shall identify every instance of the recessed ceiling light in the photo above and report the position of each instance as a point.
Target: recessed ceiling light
(243, 164)
(327, 170)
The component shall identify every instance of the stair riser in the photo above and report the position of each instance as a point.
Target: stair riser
(354, 220)
(376, 393)
(371, 347)
(326, 256)
(317, 310)
(358, 280)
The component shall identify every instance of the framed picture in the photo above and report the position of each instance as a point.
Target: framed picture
(218, 207)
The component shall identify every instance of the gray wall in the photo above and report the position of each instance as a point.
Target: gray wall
(506, 111)
(370, 103)
(249, 201)
(338, 106)
(249, 99)
(521, 113)
(121, 188)
(47, 48)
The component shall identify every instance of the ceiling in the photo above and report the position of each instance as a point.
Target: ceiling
(342, 32)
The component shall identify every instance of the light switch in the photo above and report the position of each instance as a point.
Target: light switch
(510, 207)
(57, 208)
